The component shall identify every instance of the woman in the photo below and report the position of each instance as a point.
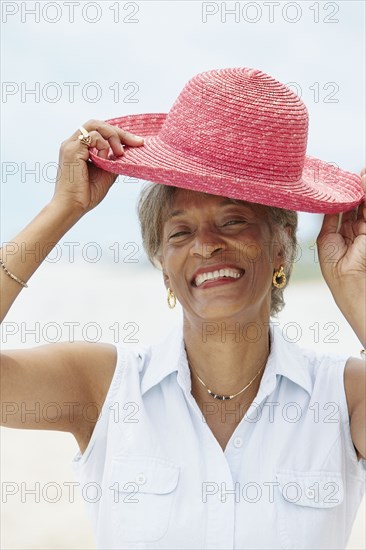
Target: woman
(221, 435)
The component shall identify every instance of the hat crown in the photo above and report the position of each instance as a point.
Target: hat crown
(239, 121)
(237, 133)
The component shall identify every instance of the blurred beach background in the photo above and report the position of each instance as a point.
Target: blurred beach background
(127, 58)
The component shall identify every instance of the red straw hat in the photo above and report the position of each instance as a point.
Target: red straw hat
(237, 133)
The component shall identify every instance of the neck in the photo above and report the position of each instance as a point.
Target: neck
(226, 356)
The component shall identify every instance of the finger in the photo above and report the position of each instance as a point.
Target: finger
(109, 139)
(77, 147)
(362, 206)
(349, 216)
(103, 145)
(363, 179)
(361, 214)
(123, 135)
(359, 228)
(105, 132)
(128, 138)
(329, 225)
(108, 131)
(99, 143)
(350, 230)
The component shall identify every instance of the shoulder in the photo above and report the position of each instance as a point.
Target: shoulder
(101, 368)
(344, 380)
(334, 376)
(355, 389)
(95, 364)
(342, 372)
(321, 364)
(355, 383)
(105, 365)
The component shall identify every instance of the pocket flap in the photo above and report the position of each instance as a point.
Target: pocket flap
(144, 474)
(318, 489)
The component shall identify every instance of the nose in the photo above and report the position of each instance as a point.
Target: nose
(207, 243)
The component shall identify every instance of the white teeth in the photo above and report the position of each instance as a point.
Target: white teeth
(233, 273)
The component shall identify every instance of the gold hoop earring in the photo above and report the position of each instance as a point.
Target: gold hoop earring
(280, 274)
(171, 296)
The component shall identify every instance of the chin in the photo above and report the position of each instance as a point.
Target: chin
(221, 313)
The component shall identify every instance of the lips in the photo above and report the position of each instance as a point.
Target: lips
(214, 273)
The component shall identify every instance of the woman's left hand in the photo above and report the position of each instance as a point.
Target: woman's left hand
(342, 257)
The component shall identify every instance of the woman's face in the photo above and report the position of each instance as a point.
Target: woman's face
(207, 233)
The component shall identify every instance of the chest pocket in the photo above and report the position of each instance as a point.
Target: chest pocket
(142, 493)
(309, 509)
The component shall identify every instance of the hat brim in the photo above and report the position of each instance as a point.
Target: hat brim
(323, 188)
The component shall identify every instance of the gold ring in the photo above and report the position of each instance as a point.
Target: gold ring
(84, 137)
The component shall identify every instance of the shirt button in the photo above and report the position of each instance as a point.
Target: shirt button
(238, 442)
(309, 493)
(141, 478)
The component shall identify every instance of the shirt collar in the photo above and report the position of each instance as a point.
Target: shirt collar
(168, 355)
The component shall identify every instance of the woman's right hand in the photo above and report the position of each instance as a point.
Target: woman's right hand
(80, 185)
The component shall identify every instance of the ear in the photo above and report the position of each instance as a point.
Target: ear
(288, 228)
(165, 275)
(280, 253)
(166, 279)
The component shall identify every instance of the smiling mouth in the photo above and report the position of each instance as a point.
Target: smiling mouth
(219, 275)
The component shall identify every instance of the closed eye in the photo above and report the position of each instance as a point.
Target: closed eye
(234, 221)
(177, 234)
(227, 223)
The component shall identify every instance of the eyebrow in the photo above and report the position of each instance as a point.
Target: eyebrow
(224, 202)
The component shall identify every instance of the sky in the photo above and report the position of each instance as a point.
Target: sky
(105, 59)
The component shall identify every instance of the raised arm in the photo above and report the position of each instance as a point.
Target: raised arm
(71, 375)
(342, 256)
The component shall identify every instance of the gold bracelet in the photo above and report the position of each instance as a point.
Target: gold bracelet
(363, 354)
(12, 275)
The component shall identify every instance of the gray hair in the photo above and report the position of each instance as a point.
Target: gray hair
(156, 200)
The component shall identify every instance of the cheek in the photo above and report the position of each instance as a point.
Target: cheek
(254, 250)
(173, 264)
(170, 259)
(254, 253)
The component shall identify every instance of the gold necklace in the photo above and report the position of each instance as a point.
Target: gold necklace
(223, 397)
